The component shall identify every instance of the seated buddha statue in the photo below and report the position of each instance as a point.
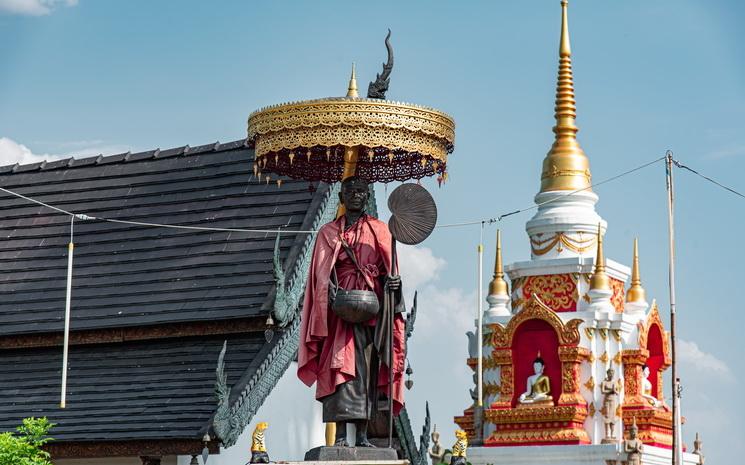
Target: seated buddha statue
(647, 388)
(538, 386)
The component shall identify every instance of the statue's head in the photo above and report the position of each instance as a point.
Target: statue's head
(609, 374)
(354, 194)
(634, 430)
(538, 365)
(262, 426)
(460, 434)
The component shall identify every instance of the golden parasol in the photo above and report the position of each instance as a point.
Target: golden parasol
(332, 138)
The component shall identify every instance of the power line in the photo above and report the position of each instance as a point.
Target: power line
(484, 221)
(681, 165)
(515, 212)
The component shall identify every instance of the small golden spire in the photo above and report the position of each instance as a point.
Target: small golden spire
(352, 90)
(566, 166)
(599, 279)
(636, 292)
(498, 286)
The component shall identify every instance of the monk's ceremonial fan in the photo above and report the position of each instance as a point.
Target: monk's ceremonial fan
(414, 214)
(413, 217)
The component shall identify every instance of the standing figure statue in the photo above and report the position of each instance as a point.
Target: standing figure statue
(633, 446)
(436, 451)
(347, 361)
(609, 389)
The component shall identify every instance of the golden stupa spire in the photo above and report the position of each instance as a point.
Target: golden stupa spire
(498, 286)
(566, 166)
(636, 292)
(352, 90)
(599, 279)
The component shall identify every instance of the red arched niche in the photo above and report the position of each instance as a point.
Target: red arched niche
(529, 338)
(656, 357)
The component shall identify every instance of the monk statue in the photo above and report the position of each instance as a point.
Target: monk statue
(538, 388)
(609, 389)
(347, 361)
(647, 389)
(633, 446)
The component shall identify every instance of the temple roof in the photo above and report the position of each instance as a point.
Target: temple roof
(141, 390)
(128, 275)
(151, 306)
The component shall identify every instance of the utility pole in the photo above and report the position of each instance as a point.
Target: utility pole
(677, 443)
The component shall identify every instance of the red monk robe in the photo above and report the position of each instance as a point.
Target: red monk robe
(326, 354)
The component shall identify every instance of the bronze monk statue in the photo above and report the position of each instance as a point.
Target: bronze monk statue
(347, 360)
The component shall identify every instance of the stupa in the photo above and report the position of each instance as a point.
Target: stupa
(573, 360)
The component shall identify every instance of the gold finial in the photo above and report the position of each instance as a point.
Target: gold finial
(599, 279)
(566, 166)
(498, 286)
(636, 292)
(352, 90)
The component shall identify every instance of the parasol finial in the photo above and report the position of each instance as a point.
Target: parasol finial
(378, 87)
(352, 90)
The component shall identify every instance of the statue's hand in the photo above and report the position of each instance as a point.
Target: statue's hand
(393, 283)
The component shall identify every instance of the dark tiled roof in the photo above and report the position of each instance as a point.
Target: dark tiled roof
(129, 275)
(142, 390)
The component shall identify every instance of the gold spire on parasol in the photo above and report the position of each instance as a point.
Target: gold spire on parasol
(331, 138)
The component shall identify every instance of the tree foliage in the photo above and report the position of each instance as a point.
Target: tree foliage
(24, 446)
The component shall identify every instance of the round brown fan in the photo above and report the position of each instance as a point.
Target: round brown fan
(414, 213)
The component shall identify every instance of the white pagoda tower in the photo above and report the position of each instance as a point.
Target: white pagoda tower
(570, 342)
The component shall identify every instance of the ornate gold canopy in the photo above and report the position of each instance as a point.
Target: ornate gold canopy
(378, 140)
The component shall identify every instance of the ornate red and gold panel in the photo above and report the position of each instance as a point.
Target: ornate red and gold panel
(655, 425)
(537, 328)
(558, 291)
(556, 425)
(619, 294)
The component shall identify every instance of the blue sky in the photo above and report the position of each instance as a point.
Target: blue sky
(92, 76)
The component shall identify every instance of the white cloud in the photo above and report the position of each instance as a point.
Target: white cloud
(418, 265)
(691, 354)
(12, 152)
(727, 152)
(33, 7)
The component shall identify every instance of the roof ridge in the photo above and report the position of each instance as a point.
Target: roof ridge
(125, 157)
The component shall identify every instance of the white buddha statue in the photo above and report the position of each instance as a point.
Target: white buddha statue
(647, 388)
(538, 386)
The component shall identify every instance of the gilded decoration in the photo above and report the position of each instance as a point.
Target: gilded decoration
(535, 309)
(553, 435)
(618, 298)
(655, 426)
(604, 358)
(491, 389)
(580, 244)
(558, 291)
(617, 358)
(616, 334)
(644, 326)
(536, 414)
(603, 333)
(591, 410)
(418, 137)
(589, 332)
(590, 383)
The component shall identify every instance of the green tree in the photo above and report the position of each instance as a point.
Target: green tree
(24, 446)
